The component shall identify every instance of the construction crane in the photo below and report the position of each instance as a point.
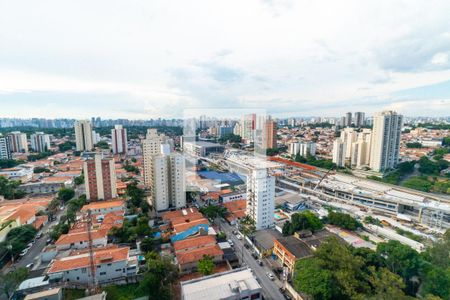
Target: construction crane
(323, 177)
(94, 286)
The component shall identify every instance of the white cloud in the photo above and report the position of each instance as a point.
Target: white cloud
(285, 56)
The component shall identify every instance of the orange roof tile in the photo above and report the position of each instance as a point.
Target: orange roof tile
(81, 259)
(197, 254)
(103, 204)
(71, 238)
(196, 242)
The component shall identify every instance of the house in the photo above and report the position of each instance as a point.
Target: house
(104, 207)
(110, 263)
(189, 251)
(80, 240)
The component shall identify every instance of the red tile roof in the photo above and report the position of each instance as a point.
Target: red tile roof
(192, 243)
(197, 254)
(81, 259)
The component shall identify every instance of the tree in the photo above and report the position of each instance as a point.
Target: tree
(437, 282)
(158, 278)
(66, 146)
(10, 189)
(11, 280)
(419, 183)
(65, 194)
(214, 211)
(247, 226)
(10, 163)
(302, 221)
(414, 145)
(79, 180)
(343, 220)
(102, 145)
(312, 279)
(386, 285)
(147, 244)
(401, 259)
(206, 265)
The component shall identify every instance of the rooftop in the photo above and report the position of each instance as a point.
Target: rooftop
(295, 246)
(220, 286)
(80, 259)
(103, 205)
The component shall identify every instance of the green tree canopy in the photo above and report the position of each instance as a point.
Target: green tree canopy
(206, 265)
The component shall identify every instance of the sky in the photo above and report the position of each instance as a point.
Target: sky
(149, 59)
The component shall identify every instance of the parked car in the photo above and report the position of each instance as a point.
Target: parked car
(259, 262)
(239, 237)
(270, 275)
(24, 252)
(29, 245)
(39, 235)
(231, 243)
(49, 240)
(255, 256)
(29, 266)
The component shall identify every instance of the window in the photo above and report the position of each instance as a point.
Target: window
(102, 273)
(83, 270)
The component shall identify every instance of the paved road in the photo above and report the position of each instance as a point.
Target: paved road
(270, 288)
(34, 252)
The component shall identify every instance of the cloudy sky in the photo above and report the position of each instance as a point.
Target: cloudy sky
(146, 59)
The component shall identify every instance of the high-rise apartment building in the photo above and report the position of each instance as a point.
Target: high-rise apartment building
(348, 119)
(261, 198)
(248, 124)
(385, 144)
(359, 119)
(307, 148)
(83, 135)
(119, 140)
(361, 149)
(18, 141)
(40, 142)
(270, 134)
(163, 173)
(5, 147)
(100, 178)
(348, 136)
(339, 149)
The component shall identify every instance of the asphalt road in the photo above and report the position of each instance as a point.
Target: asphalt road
(270, 288)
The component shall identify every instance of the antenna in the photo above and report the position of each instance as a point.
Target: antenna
(94, 288)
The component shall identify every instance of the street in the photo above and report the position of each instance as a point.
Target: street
(270, 288)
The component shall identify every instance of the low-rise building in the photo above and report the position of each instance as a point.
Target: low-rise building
(289, 249)
(231, 285)
(22, 173)
(80, 240)
(110, 263)
(104, 207)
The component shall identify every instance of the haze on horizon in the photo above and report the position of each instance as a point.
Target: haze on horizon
(151, 59)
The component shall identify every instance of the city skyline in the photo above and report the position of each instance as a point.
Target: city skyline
(153, 60)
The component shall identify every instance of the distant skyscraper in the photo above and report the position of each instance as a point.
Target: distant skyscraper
(18, 141)
(359, 119)
(5, 147)
(100, 178)
(83, 135)
(348, 119)
(339, 148)
(261, 198)
(119, 139)
(40, 142)
(248, 128)
(385, 144)
(271, 134)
